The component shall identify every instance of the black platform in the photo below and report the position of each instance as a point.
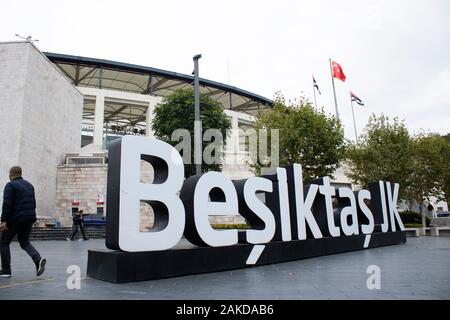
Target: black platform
(119, 266)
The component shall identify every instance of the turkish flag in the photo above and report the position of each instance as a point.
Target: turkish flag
(338, 73)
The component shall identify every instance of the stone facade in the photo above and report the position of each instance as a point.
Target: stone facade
(85, 183)
(82, 183)
(440, 222)
(40, 119)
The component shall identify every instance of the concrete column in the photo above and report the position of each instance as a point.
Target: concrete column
(148, 120)
(233, 146)
(98, 120)
(235, 128)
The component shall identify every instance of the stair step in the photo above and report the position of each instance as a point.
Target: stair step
(62, 233)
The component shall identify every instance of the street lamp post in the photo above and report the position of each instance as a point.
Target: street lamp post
(198, 121)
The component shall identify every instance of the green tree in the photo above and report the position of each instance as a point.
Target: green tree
(447, 181)
(176, 111)
(430, 169)
(310, 138)
(447, 137)
(387, 152)
(446, 156)
(383, 153)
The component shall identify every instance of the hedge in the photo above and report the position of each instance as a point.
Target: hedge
(230, 226)
(413, 218)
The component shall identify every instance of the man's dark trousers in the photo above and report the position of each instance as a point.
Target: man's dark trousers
(74, 231)
(23, 230)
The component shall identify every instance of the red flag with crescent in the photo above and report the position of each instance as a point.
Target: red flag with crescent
(338, 73)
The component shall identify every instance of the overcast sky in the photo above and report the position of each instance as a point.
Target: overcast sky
(396, 54)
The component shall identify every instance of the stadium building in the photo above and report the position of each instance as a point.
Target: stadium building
(60, 112)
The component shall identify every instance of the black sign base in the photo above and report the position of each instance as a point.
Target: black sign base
(119, 266)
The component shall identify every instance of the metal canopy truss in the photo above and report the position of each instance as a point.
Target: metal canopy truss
(93, 73)
(126, 116)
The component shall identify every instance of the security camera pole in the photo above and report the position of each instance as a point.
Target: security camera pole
(198, 121)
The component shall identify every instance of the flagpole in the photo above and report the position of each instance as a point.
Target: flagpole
(334, 90)
(354, 122)
(315, 99)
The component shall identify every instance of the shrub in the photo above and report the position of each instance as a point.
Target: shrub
(230, 226)
(413, 225)
(413, 218)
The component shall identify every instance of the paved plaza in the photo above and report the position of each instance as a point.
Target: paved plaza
(419, 269)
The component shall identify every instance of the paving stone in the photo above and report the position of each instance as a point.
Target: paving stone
(416, 270)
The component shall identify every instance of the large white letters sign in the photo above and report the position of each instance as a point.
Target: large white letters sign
(277, 207)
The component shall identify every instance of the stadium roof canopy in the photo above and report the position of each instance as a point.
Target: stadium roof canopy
(98, 73)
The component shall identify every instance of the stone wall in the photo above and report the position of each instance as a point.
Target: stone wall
(440, 222)
(84, 182)
(40, 119)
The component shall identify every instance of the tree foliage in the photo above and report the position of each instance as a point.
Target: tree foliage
(310, 138)
(176, 111)
(431, 167)
(383, 152)
(420, 164)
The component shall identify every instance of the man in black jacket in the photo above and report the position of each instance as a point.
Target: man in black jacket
(18, 216)
(78, 222)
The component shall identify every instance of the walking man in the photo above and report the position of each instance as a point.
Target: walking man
(430, 210)
(78, 222)
(18, 216)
